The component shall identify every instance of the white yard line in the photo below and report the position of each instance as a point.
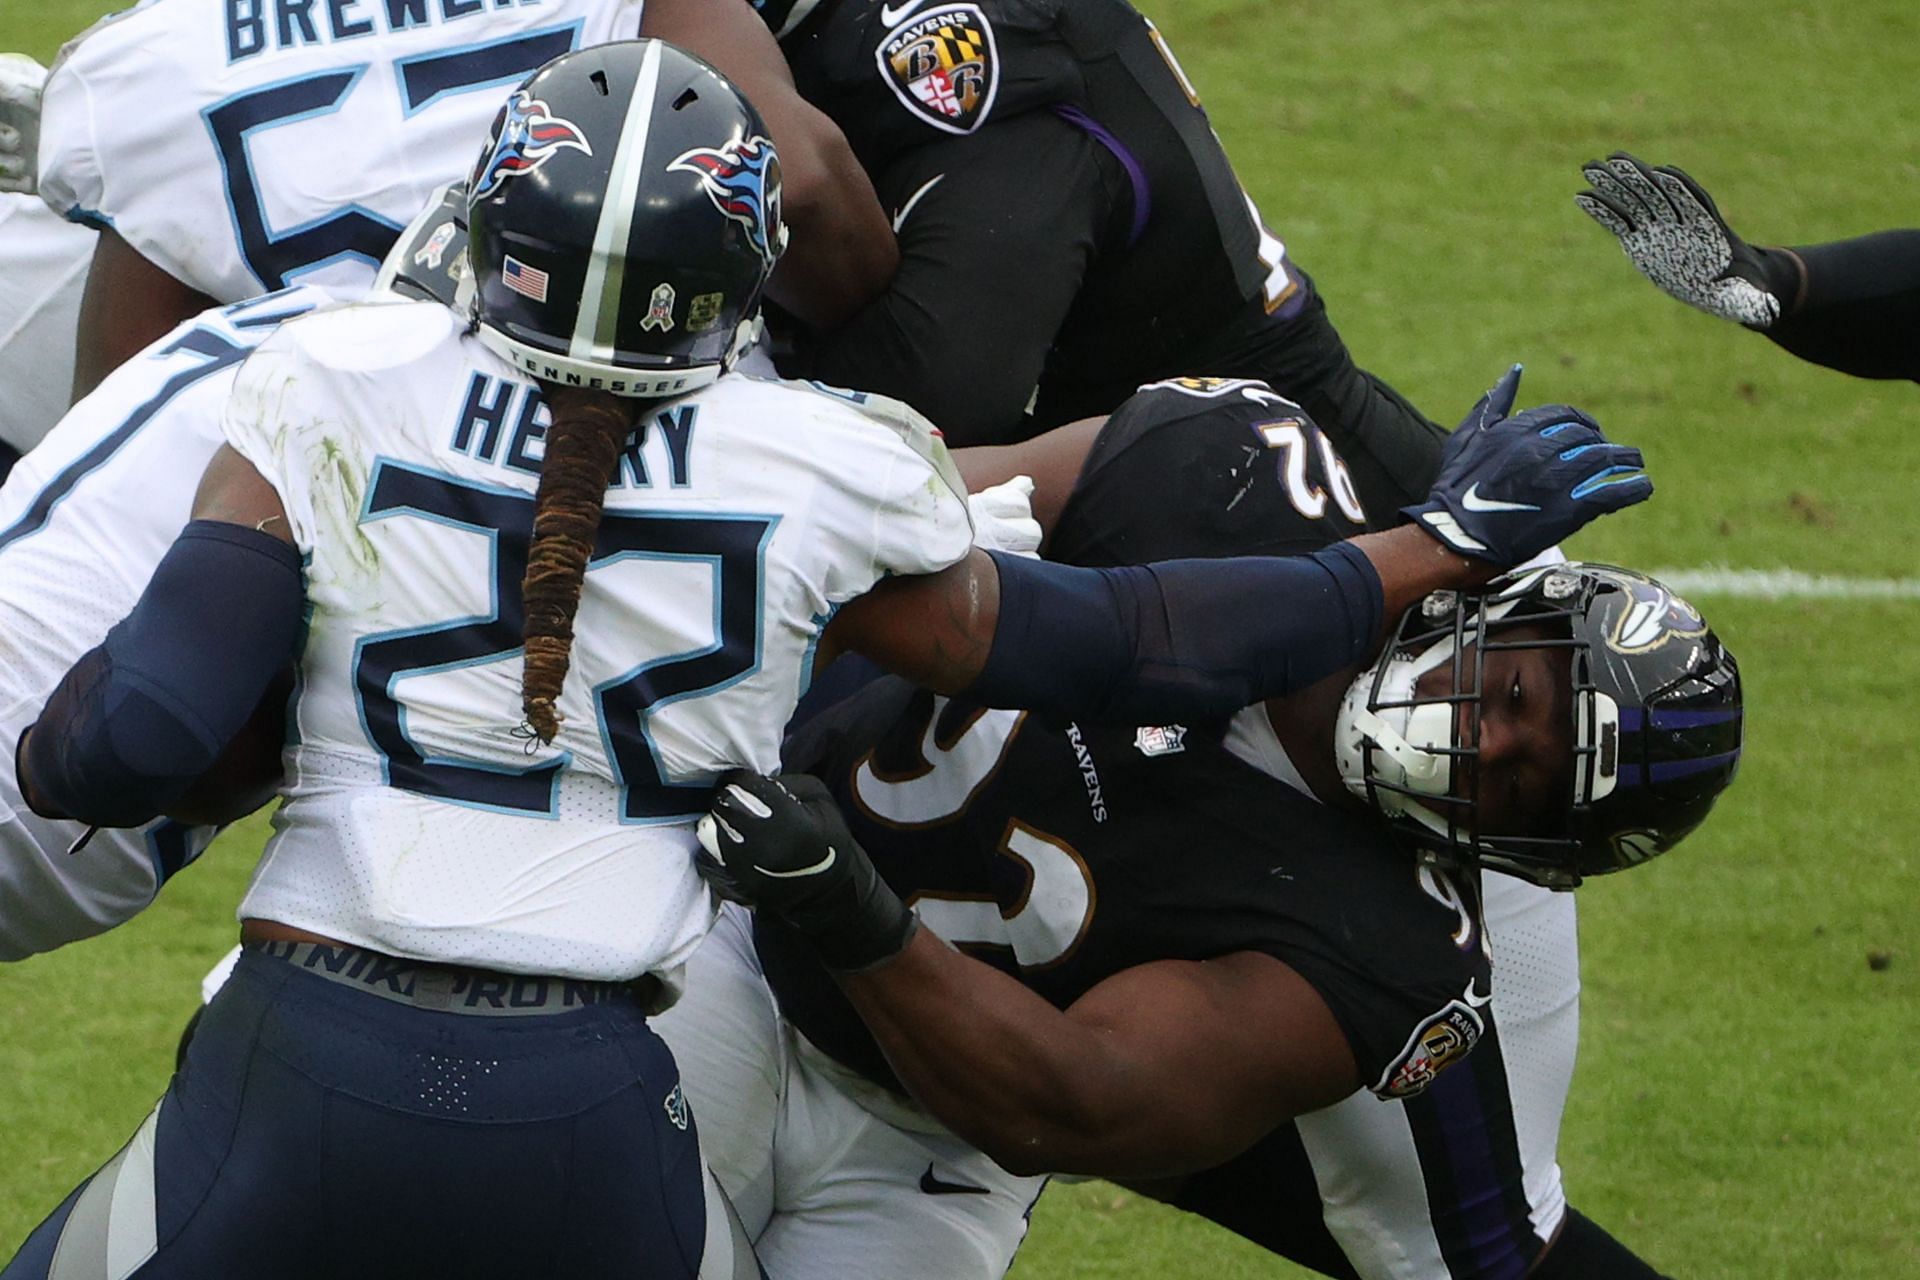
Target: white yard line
(1784, 584)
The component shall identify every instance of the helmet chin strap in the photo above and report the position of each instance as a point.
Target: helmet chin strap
(1421, 768)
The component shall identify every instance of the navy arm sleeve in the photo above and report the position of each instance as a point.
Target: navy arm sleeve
(1860, 312)
(1180, 640)
(139, 718)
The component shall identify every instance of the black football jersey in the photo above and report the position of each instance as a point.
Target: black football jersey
(1209, 467)
(1063, 855)
(1184, 265)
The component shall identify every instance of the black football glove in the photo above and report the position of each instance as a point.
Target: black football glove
(1673, 233)
(780, 845)
(1510, 487)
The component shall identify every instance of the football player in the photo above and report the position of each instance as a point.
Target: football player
(226, 148)
(1183, 936)
(87, 518)
(1059, 192)
(43, 266)
(1852, 305)
(483, 864)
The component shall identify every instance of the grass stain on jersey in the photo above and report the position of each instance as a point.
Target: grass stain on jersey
(339, 495)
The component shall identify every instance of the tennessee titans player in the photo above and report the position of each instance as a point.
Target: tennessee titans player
(43, 267)
(481, 880)
(227, 149)
(82, 525)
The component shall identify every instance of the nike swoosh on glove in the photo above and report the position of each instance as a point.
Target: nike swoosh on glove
(1670, 229)
(779, 845)
(1511, 487)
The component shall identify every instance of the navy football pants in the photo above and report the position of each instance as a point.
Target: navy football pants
(317, 1130)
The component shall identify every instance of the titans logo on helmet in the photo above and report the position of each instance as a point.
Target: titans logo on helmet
(742, 179)
(525, 136)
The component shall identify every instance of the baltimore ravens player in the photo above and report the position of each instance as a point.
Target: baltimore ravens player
(1180, 936)
(226, 148)
(1057, 185)
(1852, 305)
(481, 881)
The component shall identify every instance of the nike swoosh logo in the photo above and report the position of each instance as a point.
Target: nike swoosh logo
(1472, 501)
(890, 14)
(813, 870)
(935, 1187)
(900, 214)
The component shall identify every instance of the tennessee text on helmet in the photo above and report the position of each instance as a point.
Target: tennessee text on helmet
(624, 218)
(1656, 734)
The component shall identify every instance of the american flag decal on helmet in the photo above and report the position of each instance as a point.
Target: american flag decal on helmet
(529, 282)
(742, 179)
(525, 136)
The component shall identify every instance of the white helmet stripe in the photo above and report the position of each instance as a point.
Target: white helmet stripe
(594, 328)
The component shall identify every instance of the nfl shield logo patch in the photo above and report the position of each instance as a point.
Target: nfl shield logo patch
(942, 66)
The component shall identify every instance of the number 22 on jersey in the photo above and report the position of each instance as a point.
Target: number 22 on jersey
(733, 547)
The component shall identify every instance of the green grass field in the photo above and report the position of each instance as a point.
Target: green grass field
(1745, 1104)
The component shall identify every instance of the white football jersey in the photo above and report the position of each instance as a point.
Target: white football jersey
(243, 146)
(43, 269)
(84, 519)
(421, 818)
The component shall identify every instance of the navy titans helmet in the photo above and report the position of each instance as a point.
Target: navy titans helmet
(1656, 734)
(624, 217)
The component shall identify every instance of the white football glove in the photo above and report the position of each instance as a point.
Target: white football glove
(1003, 518)
(1669, 227)
(20, 81)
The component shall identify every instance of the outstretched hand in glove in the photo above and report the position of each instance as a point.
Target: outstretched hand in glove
(1671, 230)
(1510, 487)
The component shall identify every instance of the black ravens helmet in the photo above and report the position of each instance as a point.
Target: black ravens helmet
(1656, 733)
(624, 217)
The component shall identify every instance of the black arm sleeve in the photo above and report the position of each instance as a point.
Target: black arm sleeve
(1178, 640)
(997, 231)
(139, 718)
(1860, 310)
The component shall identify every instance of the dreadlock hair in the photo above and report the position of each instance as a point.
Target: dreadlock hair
(583, 449)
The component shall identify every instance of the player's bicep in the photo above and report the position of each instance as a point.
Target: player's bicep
(129, 304)
(1052, 460)
(997, 232)
(1204, 1057)
(233, 490)
(935, 629)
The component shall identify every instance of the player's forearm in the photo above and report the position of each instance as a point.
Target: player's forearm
(1411, 565)
(841, 253)
(128, 304)
(140, 717)
(1179, 640)
(1858, 308)
(1018, 1078)
(841, 250)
